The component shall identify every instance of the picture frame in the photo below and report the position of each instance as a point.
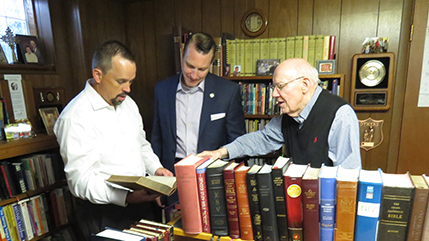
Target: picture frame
(326, 66)
(28, 49)
(266, 66)
(49, 116)
(3, 59)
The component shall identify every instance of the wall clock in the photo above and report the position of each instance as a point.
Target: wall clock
(254, 22)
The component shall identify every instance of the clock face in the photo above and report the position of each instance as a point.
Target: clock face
(254, 22)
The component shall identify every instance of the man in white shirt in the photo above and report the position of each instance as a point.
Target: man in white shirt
(100, 133)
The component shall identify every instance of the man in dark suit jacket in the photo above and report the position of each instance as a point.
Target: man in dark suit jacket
(195, 110)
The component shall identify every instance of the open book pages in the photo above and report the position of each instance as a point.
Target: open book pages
(159, 184)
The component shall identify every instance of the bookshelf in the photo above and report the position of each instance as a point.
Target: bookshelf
(28, 146)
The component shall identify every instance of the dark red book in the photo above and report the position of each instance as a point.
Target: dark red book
(202, 191)
(332, 47)
(293, 191)
(231, 199)
(54, 207)
(310, 201)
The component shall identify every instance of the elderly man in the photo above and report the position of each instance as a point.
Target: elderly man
(315, 126)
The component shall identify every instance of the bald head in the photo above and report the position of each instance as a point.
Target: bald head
(293, 68)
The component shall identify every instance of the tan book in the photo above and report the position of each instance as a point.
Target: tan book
(249, 66)
(311, 50)
(274, 43)
(159, 184)
(256, 49)
(240, 47)
(318, 49)
(326, 44)
(347, 181)
(281, 49)
(265, 48)
(290, 47)
(299, 41)
(305, 40)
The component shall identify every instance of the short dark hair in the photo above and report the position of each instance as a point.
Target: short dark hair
(102, 57)
(203, 42)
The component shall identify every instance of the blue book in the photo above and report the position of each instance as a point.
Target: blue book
(370, 186)
(335, 87)
(327, 187)
(4, 224)
(18, 220)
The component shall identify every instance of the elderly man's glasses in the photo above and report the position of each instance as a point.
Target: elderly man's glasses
(282, 85)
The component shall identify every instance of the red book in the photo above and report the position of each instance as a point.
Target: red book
(231, 199)
(310, 201)
(9, 190)
(202, 191)
(332, 47)
(187, 189)
(244, 217)
(54, 206)
(293, 191)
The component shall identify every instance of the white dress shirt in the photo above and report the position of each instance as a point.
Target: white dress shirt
(96, 140)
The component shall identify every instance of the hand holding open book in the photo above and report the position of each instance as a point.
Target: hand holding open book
(158, 184)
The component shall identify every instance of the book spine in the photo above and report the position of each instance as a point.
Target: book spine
(274, 43)
(217, 201)
(245, 220)
(305, 47)
(310, 201)
(4, 224)
(418, 214)
(280, 203)
(327, 208)
(268, 212)
(299, 46)
(293, 191)
(24, 230)
(368, 211)
(254, 206)
(204, 204)
(312, 50)
(335, 87)
(187, 187)
(290, 47)
(19, 176)
(326, 44)
(265, 48)
(249, 66)
(231, 204)
(332, 47)
(346, 210)
(394, 213)
(281, 50)
(54, 208)
(240, 56)
(6, 179)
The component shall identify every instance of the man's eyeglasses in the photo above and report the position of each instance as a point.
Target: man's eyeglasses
(282, 85)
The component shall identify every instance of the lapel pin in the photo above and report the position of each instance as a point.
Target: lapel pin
(212, 95)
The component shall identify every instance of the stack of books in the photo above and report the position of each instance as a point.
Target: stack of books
(258, 202)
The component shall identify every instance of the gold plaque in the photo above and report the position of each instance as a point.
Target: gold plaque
(372, 73)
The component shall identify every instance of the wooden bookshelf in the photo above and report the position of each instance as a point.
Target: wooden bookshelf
(13, 148)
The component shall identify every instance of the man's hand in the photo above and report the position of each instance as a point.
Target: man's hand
(163, 172)
(220, 153)
(140, 196)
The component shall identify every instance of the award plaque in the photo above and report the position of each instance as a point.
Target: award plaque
(372, 81)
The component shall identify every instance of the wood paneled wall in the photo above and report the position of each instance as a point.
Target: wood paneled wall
(79, 26)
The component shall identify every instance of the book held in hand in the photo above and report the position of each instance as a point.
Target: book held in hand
(158, 184)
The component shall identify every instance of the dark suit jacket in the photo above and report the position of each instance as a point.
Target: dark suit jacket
(212, 134)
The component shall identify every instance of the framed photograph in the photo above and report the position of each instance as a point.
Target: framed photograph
(266, 66)
(49, 116)
(237, 70)
(29, 50)
(326, 66)
(3, 59)
(375, 45)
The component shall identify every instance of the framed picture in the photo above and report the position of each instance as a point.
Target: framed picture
(237, 70)
(326, 66)
(28, 50)
(49, 116)
(266, 66)
(3, 59)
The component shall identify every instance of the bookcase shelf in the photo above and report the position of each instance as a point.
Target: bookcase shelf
(32, 193)
(41, 142)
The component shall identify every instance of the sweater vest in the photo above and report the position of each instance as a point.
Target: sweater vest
(310, 143)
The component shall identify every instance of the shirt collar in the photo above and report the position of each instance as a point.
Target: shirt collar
(185, 89)
(307, 109)
(95, 98)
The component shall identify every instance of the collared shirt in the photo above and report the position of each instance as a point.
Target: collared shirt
(189, 103)
(96, 140)
(343, 139)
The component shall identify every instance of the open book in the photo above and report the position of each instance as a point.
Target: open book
(159, 184)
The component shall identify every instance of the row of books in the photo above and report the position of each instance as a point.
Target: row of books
(332, 86)
(141, 230)
(257, 98)
(35, 216)
(246, 52)
(288, 201)
(29, 173)
(255, 124)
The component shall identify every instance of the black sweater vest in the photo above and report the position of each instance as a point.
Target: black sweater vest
(310, 143)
